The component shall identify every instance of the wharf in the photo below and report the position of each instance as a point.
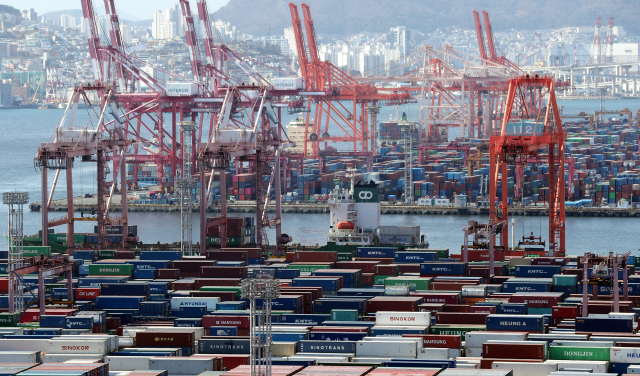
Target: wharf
(87, 204)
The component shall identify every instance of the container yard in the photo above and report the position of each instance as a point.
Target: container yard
(374, 298)
(162, 313)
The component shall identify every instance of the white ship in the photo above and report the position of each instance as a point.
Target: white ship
(355, 219)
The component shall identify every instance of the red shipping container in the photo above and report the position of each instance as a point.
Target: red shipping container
(399, 304)
(165, 339)
(312, 256)
(409, 268)
(431, 307)
(84, 293)
(487, 363)
(438, 297)
(199, 282)
(242, 322)
(536, 301)
(483, 309)
(391, 269)
(228, 255)
(483, 255)
(4, 285)
(124, 255)
(167, 274)
(223, 295)
(514, 350)
(457, 308)
(564, 312)
(438, 341)
(223, 272)
(365, 266)
(340, 329)
(252, 252)
(381, 260)
(113, 323)
(368, 279)
(461, 318)
(182, 286)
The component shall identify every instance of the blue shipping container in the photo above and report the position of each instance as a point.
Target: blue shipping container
(533, 323)
(386, 252)
(538, 271)
(336, 336)
(415, 257)
(442, 268)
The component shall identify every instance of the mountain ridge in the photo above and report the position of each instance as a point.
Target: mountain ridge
(339, 17)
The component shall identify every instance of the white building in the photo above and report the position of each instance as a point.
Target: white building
(624, 52)
(67, 21)
(125, 31)
(290, 36)
(168, 24)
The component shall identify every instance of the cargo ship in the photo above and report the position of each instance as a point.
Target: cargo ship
(354, 220)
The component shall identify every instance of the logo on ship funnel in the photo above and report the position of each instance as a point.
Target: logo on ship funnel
(365, 195)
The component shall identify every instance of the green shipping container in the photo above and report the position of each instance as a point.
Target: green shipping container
(111, 269)
(344, 257)
(456, 330)
(413, 283)
(565, 280)
(58, 238)
(308, 268)
(344, 315)
(539, 311)
(9, 319)
(35, 251)
(231, 240)
(579, 353)
(379, 279)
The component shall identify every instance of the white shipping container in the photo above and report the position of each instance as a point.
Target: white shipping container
(403, 318)
(113, 340)
(407, 339)
(127, 363)
(20, 357)
(402, 349)
(596, 366)
(14, 331)
(182, 366)
(287, 83)
(131, 331)
(198, 332)
(302, 357)
(76, 346)
(624, 354)
(473, 352)
(62, 358)
(433, 353)
(623, 315)
(582, 343)
(181, 89)
(616, 339)
(633, 370)
(476, 339)
(23, 345)
(209, 302)
(527, 369)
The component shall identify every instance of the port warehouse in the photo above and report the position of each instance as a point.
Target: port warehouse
(604, 172)
(366, 311)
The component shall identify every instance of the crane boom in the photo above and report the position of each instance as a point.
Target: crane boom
(490, 44)
(93, 38)
(483, 51)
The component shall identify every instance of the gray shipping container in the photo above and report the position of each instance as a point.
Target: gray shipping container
(127, 363)
(182, 366)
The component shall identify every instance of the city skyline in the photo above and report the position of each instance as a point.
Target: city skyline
(131, 10)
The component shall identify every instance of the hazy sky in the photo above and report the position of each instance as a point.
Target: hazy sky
(141, 9)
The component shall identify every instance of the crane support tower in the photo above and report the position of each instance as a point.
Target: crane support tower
(185, 184)
(261, 290)
(531, 125)
(15, 201)
(409, 128)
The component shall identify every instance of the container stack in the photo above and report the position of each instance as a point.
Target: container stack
(380, 310)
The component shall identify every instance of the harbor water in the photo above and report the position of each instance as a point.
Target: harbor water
(22, 131)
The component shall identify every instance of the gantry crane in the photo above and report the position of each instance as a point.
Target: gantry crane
(531, 123)
(338, 98)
